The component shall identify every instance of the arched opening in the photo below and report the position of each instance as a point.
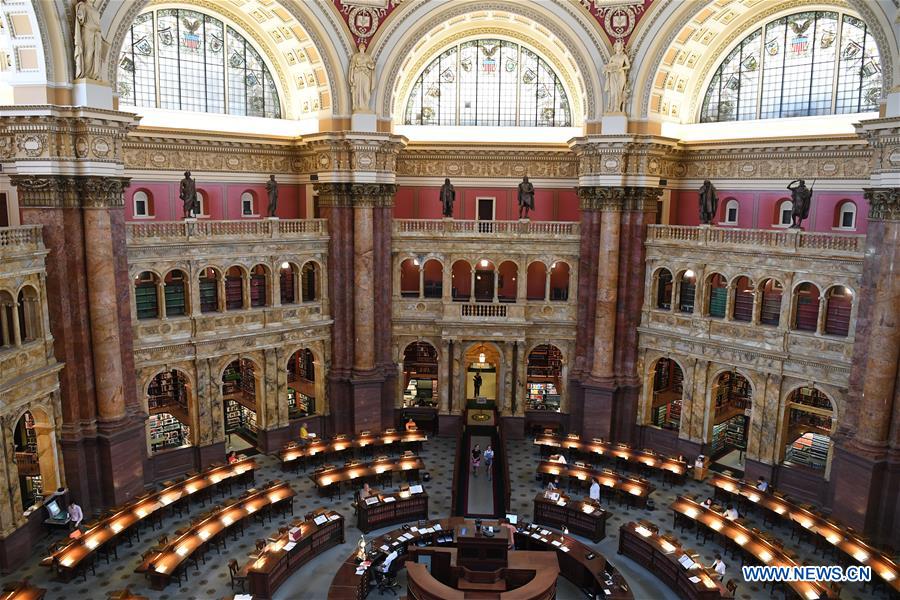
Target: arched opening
(718, 296)
(288, 277)
(484, 281)
(806, 299)
(176, 293)
(845, 217)
(409, 278)
(839, 303)
(482, 362)
(668, 382)
(146, 295)
(544, 378)
(732, 401)
(259, 286)
(743, 300)
(809, 424)
(248, 204)
(687, 291)
(239, 393)
(507, 278)
(7, 314)
(731, 212)
(35, 455)
(301, 382)
(168, 402)
(536, 281)
(433, 276)
(461, 281)
(559, 281)
(420, 375)
(209, 290)
(784, 212)
(310, 280)
(29, 314)
(664, 289)
(770, 311)
(234, 288)
(143, 204)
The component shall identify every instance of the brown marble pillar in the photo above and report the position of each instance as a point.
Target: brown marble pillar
(861, 474)
(363, 286)
(607, 292)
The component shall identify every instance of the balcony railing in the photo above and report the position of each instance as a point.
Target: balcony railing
(490, 311)
(201, 230)
(482, 229)
(791, 241)
(16, 240)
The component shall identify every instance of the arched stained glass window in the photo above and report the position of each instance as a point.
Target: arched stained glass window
(805, 64)
(182, 59)
(488, 82)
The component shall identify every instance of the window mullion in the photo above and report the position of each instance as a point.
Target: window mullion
(836, 80)
(762, 67)
(812, 66)
(456, 82)
(518, 84)
(155, 31)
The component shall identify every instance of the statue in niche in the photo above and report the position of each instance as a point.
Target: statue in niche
(272, 191)
(362, 79)
(709, 202)
(616, 75)
(526, 197)
(801, 199)
(88, 41)
(188, 194)
(476, 383)
(448, 197)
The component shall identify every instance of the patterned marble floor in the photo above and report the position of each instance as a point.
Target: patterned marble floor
(312, 581)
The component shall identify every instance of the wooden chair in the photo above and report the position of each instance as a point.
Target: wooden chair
(234, 573)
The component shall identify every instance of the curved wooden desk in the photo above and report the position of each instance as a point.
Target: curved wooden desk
(625, 452)
(593, 573)
(292, 452)
(363, 471)
(630, 488)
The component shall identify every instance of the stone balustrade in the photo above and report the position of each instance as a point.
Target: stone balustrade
(20, 240)
(481, 311)
(792, 241)
(453, 228)
(199, 230)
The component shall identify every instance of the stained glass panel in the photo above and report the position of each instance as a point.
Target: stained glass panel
(186, 59)
(488, 82)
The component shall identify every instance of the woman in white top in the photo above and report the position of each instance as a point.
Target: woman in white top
(731, 513)
(595, 490)
(719, 567)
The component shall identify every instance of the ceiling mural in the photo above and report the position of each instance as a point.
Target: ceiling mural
(617, 18)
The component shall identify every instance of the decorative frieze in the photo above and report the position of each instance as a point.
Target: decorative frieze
(65, 191)
(618, 198)
(884, 203)
(481, 162)
(225, 155)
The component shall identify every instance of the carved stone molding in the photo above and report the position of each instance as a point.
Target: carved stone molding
(64, 135)
(456, 161)
(102, 192)
(349, 153)
(64, 191)
(375, 195)
(618, 198)
(334, 195)
(175, 153)
(884, 203)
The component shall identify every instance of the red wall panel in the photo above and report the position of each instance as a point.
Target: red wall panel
(423, 202)
(223, 200)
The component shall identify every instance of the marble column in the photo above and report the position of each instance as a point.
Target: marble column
(607, 290)
(363, 298)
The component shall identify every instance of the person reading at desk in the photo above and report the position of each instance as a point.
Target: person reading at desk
(411, 425)
(76, 515)
(553, 484)
(304, 434)
(719, 567)
(232, 457)
(386, 565)
(366, 491)
(731, 513)
(761, 484)
(707, 503)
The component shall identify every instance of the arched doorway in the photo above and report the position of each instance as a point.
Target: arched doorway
(301, 384)
(808, 426)
(732, 405)
(239, 393)
(420, 375)
(35, 455)
(482, 362)
(665, 409)
(543, 378)
(168, 403)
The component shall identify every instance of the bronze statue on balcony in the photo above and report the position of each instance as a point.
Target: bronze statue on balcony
(801, 198)
(526, 197)
(188, 194)
(448, 197)
(709, 202)
(272, 191)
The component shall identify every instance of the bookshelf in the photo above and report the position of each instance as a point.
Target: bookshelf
(234, 292)
(288, 293)
(299, 404)
(837, 315)
(743, 305)
(810, 450)
(732, 392)
(146, 301)
(174, 295)
(413, 507)
(687, 297)
(543, 396)
(729, 435)
(718, 297)
(257, 290)
(664, 291)
(240, 419)
(166, 390)
(807, 308)
(209, 294)
(770, 312)
(30, 440)
(166, 432)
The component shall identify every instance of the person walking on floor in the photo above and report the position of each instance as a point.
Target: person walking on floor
(476, 459)
(488, 461)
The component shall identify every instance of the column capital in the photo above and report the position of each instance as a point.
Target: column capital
(102, 192)
(884, 203)
(70, 191)
(618, 198)
(373, 195)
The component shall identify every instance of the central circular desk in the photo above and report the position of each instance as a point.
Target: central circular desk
(528, 572)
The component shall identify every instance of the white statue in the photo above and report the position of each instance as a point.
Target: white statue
(362, 79)
(616, 73)
(88, 41)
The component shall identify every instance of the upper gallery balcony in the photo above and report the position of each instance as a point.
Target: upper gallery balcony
(452, 229)
(784, 291)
